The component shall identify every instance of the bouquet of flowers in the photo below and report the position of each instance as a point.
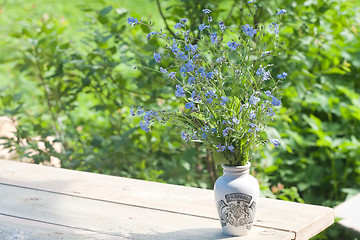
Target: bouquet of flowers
(225, 82)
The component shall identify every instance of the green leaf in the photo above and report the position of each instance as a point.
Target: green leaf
(105, 11)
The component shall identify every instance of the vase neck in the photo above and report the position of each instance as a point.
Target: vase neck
(236, 170)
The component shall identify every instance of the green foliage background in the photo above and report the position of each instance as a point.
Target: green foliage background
(68, 71)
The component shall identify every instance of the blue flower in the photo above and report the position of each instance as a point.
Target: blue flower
(266, 76)
(195, 96)
(163, 70)
(220, 148)
(190, 66)
(268, 93)
(132, 111)
(174, 48)
(204, 136)
(183, 71)
(250, 31)
(210, 96)
(210, 19)
(202, 72)
(231, 148)
(270, 112)
(254, 100)
(180, 55)
(223, 100)
(252, 115)
(260, 71)
(210, 75)
(189, 105)
(185, 136)
(183, 22)
(253, 126)
(151, 34)
(274, 27)
(132, 21)
(193, 136)
(145, 126)
(235, 120)
(191, 80)
(226, 131)
(179, 91)
(205, 128)
(203, 26)
(213, 38)
(232, 45)
(177, 26)
(282, 75)
(214, 130)
(275, 101)
(139, 111)
(149, 115)
(180, 24)
(220, 60)
(157, 57)
(172, 74)
(281, 12)
(191, 48)
(222, 25)
(266, 53)
(206, 11)
(275, 142)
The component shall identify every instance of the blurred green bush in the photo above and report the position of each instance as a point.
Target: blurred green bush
(79, 89)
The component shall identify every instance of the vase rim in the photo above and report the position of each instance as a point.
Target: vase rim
(236, 169)
(248, 164)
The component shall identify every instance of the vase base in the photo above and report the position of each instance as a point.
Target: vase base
(242, 231)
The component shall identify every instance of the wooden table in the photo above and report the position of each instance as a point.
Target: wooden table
(38, 202)
(349, 212)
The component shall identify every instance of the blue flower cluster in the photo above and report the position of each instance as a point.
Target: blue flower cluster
(274, 100)
(250, 31)
(274, 28)
(254, 100)
(179, 91)
(180, 24)
(265, 75)
(233, 45)
(211, 95)
(149, 117)
(157, 57)
(221, 148)
(214, 38)
(275, 142)
(222, 25)
(203, 26)
(281, 12)
(282, 75)
(206, 11)
(132, 21)
(227, 117)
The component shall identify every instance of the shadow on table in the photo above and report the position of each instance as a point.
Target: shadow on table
(188, 234)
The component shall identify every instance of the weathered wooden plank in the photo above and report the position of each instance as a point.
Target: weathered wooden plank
(306, 220)
(12, 228)
(303, 219)
(111, 219)
(349, 212)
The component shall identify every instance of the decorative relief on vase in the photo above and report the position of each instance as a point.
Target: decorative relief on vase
(237, 210)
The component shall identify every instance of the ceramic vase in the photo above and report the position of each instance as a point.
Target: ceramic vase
(236, 196)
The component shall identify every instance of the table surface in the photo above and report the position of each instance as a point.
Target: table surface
(39, 202)
(349, 212)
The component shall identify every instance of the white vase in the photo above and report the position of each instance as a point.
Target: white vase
(236, 196)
